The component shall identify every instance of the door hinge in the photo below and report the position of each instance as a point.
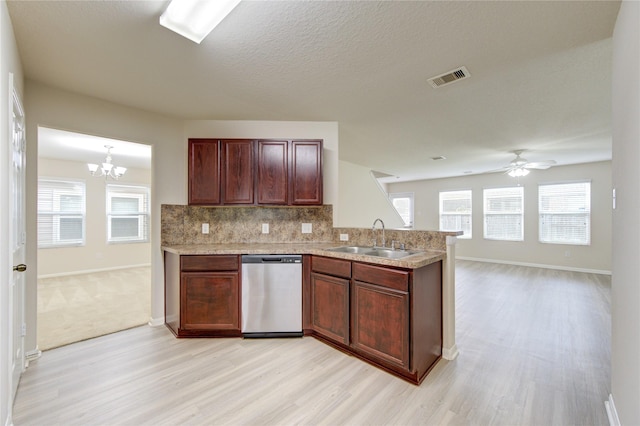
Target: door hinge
(24, 329)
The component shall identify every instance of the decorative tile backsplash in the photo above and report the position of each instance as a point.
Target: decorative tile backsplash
(429, 240)
(183, 225)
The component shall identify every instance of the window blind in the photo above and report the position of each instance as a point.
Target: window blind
(61, 213)
(565, 213)
(503, 213)
(127, 213)
(455, 212)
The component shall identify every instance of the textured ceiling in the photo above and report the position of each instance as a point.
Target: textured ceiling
(540, 73)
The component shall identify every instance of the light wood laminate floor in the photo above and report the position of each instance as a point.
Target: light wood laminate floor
(534, 350)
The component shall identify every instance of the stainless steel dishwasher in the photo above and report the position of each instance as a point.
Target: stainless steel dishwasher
(271, 295)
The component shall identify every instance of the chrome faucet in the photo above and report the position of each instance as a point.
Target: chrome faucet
(373, 228)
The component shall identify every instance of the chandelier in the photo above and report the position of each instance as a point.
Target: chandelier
(107, 169)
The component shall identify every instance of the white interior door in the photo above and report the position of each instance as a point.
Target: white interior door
(17, 237)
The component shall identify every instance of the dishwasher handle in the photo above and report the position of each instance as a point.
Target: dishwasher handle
(271, 258)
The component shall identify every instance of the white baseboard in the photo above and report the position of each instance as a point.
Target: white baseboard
(155, 322)
(612, 414)
(91, 271)
(450, 353)
(32, 356)
(536, 265)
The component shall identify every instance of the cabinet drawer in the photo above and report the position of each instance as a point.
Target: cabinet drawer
(204, 263)
(335, 267)
(391, 278)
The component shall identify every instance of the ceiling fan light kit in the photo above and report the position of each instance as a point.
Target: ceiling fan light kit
(519, 167)
(518, 172)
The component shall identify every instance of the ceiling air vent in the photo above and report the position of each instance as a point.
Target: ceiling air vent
(449, 77)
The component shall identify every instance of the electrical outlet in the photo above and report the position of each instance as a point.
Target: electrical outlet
(344, 237)
(307, 228)
(205, 228)
(567, 253)
(265, 228)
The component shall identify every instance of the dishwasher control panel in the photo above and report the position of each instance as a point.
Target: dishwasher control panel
(271, 258)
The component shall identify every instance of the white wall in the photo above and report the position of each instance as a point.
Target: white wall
(96, 254)
(625, 288)
(58, 109)
(362, 201)
(596, 257)
(327, 131)
(9, 63)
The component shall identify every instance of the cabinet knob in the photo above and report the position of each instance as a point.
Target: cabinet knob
(20, 268)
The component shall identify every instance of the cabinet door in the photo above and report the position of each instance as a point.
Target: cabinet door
(210, 301)
(272, 171)
(237, 172)
(204, 171)
(330, 307)
(380, 323)
(305, 178)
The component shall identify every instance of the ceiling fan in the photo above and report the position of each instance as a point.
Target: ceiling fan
(520, 166)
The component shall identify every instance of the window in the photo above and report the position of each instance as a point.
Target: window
(61, 213)
(565, 213)
(403, 203)
(455, 212)
(127, 214)
(503, 213)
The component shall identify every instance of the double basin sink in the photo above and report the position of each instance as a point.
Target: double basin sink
(376, 251)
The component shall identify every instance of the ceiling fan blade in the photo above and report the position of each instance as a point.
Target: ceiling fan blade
(500, 170)
(540, 165)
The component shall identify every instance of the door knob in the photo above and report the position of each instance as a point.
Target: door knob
(20, 268)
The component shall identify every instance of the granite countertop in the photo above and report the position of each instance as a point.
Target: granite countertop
(410, 262)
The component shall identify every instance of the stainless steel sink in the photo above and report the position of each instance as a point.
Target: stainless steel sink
(352, 249)
(377, 251)
(392, 254)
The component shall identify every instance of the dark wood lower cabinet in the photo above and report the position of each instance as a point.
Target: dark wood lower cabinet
(380, 318)
(210, 301)
(390, 317)
(202, 295)
(330, 307)
(395, 314)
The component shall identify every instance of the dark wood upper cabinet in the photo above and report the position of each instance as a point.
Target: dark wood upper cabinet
(305, 177)
(272, 170)
(249, 172)
(204, 171)
(237, 172)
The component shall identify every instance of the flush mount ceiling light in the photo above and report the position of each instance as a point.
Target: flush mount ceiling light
(194, 19)
(108, 170)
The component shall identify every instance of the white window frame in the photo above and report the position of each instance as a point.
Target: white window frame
(464, 218)
(142, 194)
(492, 214)
(406, 218)
(564, 213)
(56, 188)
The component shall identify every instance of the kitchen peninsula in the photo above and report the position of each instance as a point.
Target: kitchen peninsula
(392, 313)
